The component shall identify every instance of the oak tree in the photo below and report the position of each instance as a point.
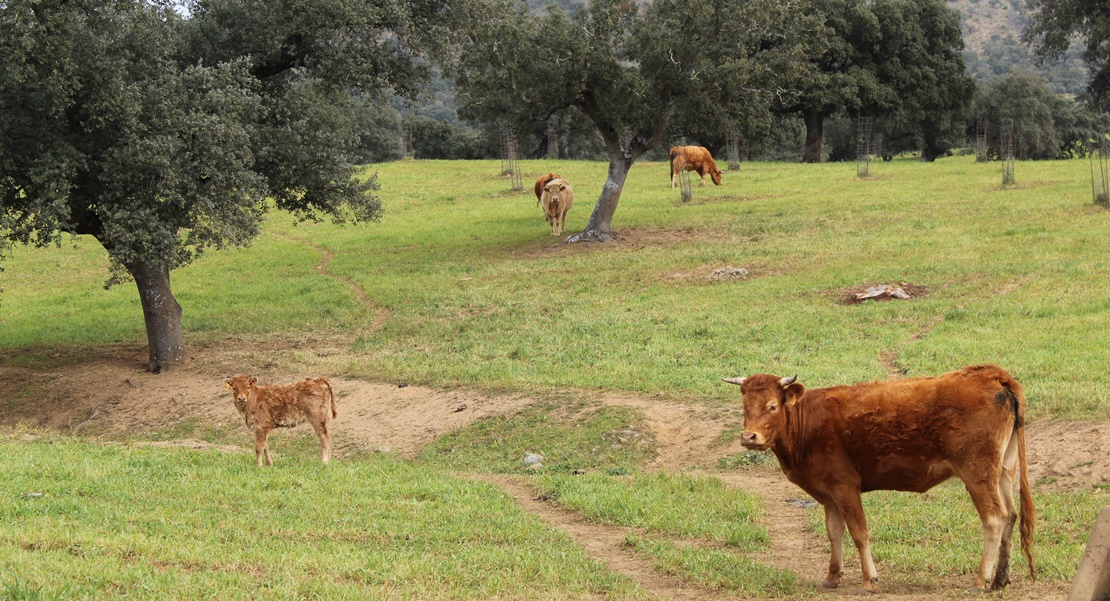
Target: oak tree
(161, 128)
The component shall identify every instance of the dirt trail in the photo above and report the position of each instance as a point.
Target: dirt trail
(109, 392)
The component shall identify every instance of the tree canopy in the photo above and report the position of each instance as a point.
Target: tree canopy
(162, 132)
(1055, 23)
(631, 71)
(884, 58)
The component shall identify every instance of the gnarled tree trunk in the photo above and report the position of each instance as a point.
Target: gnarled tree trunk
(815, 131)
(597, 230)
(162, 315)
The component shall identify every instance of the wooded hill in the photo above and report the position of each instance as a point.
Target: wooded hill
(992, 35)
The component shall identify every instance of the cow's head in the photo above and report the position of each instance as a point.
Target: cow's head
(241, 387)
(765, 399)
(715, 174)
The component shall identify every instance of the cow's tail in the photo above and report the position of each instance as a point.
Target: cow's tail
(672, 154)
(1028, 515)
(331, 397)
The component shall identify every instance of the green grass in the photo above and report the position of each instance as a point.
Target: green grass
(480, 295)
(720, 569)
(118, 522)
(938, 534)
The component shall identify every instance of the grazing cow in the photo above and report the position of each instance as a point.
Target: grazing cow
(693, 158)
(541, 183)
(908, 435)
(557, 199)
(284, 406)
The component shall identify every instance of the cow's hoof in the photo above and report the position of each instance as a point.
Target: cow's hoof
(829, 584)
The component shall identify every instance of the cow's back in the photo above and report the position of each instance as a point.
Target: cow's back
(908, 434)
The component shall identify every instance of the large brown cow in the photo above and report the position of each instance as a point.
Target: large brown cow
(283, 406)
(908, 435)
(693, 158)
(541, 183)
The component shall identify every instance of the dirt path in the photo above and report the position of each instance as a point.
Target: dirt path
(109, 392)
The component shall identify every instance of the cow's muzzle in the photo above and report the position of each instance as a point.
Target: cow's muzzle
(752, 440)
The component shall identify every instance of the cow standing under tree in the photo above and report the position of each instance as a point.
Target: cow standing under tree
(557, 199)
(284, 406)
(838, 442)
(541, 183)
(694, 158)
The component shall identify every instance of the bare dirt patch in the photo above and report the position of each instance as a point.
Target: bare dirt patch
(109, 393)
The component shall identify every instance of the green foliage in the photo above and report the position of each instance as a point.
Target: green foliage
(568, 434)
(1021, 101)
(94, 521)
(1055, 25)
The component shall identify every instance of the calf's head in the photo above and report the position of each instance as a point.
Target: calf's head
(241, 387)
(556, 188)
(765, 400)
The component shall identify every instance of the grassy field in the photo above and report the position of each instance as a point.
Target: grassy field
(462, 285)
(479, 294)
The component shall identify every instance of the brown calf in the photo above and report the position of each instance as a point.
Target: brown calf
(283, 406)
(693, 158)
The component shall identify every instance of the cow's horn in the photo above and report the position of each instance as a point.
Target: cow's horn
(788, 381)
(737, 381)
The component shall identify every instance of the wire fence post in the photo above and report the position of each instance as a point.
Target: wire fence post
(406, 147)
(863, 147)
(1100, 183)
(514, 163)
(684, 189)
(1006, 153)
(981, 139)
(552, 141)
(733, 150)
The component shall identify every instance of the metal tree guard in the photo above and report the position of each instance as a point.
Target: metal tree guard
(733, 150)
(552, 142)
(863, 147)
(684, 189)
(981, 139)
(514, 164)
(406, 147)
(1100, 183)
(503, 146)
(1006, 153)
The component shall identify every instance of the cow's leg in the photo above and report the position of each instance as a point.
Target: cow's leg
(834, 528)
(1006, 490)
(702, 182)
(674, 178)
(321, 423)
(992, 513)
(262, 446)
(850, 504)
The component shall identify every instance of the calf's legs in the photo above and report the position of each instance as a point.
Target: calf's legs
(262, 447)
(849, 505)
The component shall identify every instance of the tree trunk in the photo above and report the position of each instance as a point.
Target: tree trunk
(597, 230)
(815, 129)
(162, 314)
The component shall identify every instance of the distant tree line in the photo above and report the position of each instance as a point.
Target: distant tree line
(900, 63)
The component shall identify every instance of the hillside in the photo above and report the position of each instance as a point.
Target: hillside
(992, 35)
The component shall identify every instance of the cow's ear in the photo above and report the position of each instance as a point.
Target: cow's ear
(227, 383)
(253, 379)
(563, 188)
(794, 393)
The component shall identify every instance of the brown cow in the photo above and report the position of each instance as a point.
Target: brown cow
(908, 435)
(693, 158)
(557, 199)
(541, 183)
(284, 406)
